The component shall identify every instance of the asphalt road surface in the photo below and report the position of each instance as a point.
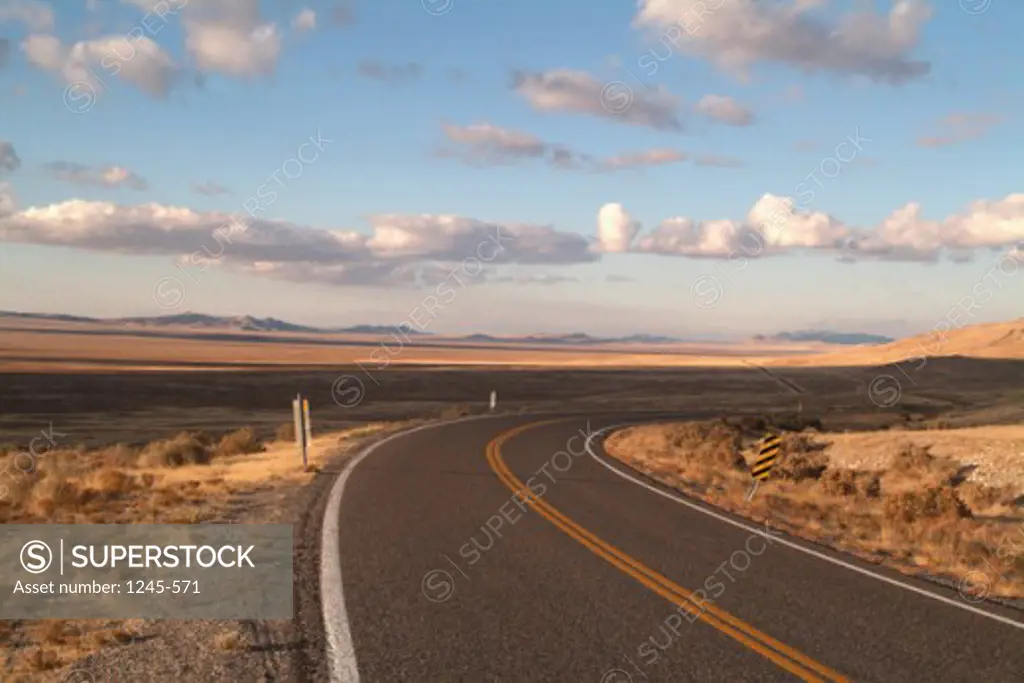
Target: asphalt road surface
(450, 576)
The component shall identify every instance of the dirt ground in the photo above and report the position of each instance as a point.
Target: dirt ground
(135, 407)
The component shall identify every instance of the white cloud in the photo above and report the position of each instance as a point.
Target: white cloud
(615, 228)
(906, 234)
(230, 37)
(108, 176)
(398, 246)
(565, 90)
(304, 20)
(776, 225)
(36, 15)
(724, 109)
(138, 61)
(286, 250)
(737, 34)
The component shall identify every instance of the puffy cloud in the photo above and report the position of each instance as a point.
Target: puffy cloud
(960, 127)
(737, 34)
(616, 229)
(564, 90)
(725, 110)
(158, 229)
(776, 225)
(681, 236)
(9, 160)
(36, 15)
(138, 61)
(905, 234)
(402, 249)
(230, 37)
(286, 250)
(450, 238)
(783, 226)
(304, 20)
(107, 176)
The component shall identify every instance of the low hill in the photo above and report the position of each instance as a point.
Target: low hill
(987, 340)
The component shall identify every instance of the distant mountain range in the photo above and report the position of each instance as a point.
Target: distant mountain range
(826, 336)
(248, 323)
(245, 323)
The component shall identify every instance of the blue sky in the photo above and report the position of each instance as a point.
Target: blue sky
(460, 112)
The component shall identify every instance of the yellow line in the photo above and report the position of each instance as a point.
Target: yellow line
(712, 615)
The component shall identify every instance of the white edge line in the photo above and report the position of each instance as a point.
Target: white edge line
(795, 546)
(340, 652)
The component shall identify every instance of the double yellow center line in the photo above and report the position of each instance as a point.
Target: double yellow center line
(782, 655)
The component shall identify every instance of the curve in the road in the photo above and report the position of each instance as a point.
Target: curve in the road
(779, 653)
(796, 546)
(547, 609)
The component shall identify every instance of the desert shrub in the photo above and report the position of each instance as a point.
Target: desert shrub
(53, 490)
(843, 482)
(918, 460)
(980, 498)
(118, 455)
(934, 503)
(285, 432)
(108, 483)
(185, 449)
(239, 442)
(801, 458)
(716, 443)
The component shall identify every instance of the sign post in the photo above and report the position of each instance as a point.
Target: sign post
(767, 454)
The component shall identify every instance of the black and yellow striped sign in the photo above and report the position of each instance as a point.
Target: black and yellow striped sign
(766, 457)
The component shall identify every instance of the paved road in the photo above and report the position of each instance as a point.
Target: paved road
(448, 576)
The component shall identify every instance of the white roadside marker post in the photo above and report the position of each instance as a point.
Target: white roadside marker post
(494, 399)
(300, 428)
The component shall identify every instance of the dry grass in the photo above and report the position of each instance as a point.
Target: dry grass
(185, 479)
(77, 350)
(908, 506)
(228, 640)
